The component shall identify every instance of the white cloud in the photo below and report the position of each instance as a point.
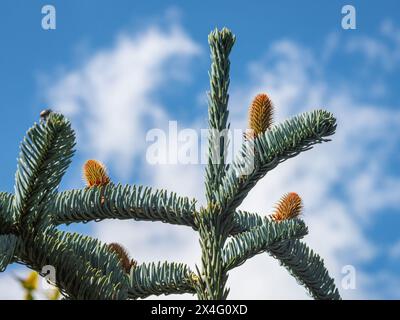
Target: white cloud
(112, 97)
(394, 251)
(9, 287)
(384, 51)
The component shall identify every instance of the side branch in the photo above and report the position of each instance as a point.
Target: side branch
(276, 145)
(121, 202)
(307, 267)
(8, 244)
(84, 268)
(86, 205)
(7, 214)
(161, 278)
(259, 239)
(45, 154)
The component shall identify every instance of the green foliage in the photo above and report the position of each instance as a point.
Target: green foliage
(8, 243)
(259, 239)
(221, 43)
(88, 269)
(307, 267)
(76, 276)
(45, 155)
(121, 202)
(282, 142)
(161, 278)
(213, 227)
(7, 217)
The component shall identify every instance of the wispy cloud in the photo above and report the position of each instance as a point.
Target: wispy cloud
(383, 51)
(394, 251)
(10, 288)
(112, 97)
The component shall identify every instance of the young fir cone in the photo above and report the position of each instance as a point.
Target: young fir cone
(289, 207)
(260, 115)
(95, 174)
(126, 262)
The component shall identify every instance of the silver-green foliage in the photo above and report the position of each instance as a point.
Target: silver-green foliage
(87, 269)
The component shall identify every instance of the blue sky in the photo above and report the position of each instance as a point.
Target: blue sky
(120, 68)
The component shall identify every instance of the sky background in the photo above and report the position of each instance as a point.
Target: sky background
(120, 68)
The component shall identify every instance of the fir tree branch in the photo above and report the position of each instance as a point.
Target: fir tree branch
(84, 269)
(214, 224)
(134, 202)
(8, 243)
(121, 202)
(96, 253)
(7, 217)
(302, 263)
(307, 267)
(259, 239)
(221, 43)
(244, 221)
(46, 153)
(161, 278)
(276, 145)
(212, 228)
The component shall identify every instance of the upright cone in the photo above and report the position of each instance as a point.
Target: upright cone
(95, 174)
(289, 207)
(260, 115)
(126, 262)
